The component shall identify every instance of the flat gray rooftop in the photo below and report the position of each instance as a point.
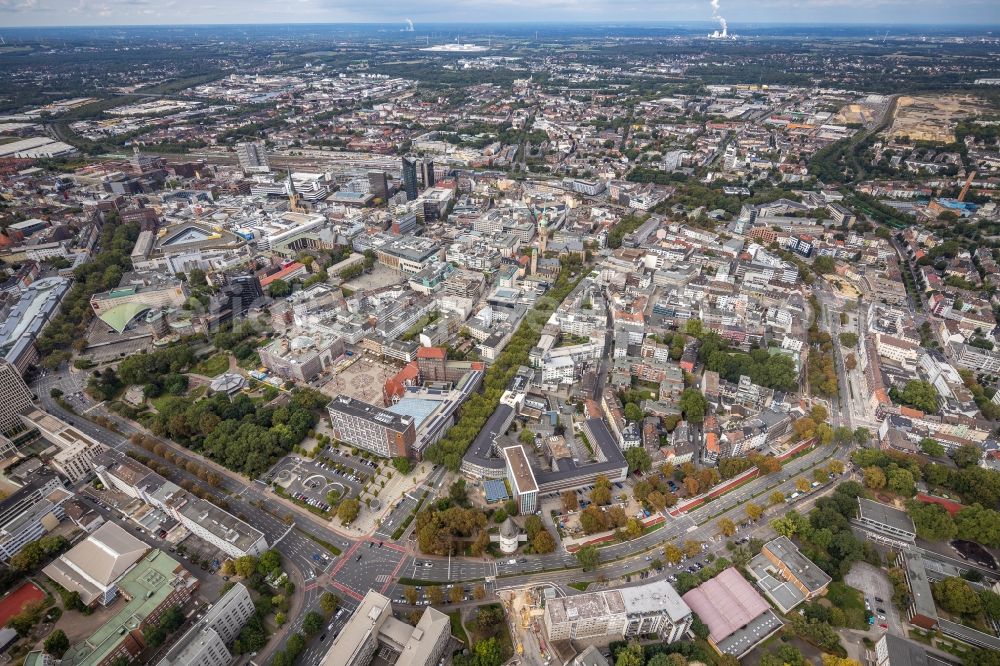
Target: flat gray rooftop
(884, 514)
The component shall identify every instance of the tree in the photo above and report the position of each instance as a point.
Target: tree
(633, 412)
(632, 655)
(410, 593)
(824, 265)
(593, 520)
(488, 653)
(874, 477)
(727, 527)
(802, 484)
(348, 511)
(833, 660)
(693, 405)
(957, 596)
(526, 437)
(966, 455)
(692, 548)
(246, 566)
(836, 467)
(976, 523)
(932, 521)
(849, 339)
(588, 557)
(699, 628)
(638, 459)
(570, 501)
(455, 594)
(991, 603)
(901, 481)
(543, 543)
(919, 395)
(458, 493)
(785, 525)
(435, 594)
(600, 496)
(479, 593)
(672, 554)
(57, 643)
(279, 289)
(754, 511)
(862, 436)
(931, 448)
(268, 562)
(329, 602)
(776, 497)
(312, 623)
(402, 464)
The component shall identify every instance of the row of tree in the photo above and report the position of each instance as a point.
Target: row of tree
(68, 329)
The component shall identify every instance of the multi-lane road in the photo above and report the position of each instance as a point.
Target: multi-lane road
(376, 562)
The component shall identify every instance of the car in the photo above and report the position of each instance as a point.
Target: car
(379, 544)
(878, 599)
(884, 625)
(649, 558)
(428, 564)
(881, 611)
(357, 559)
(322, 638)
(523, 560)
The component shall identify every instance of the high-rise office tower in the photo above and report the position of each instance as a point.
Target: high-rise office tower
(378, 185)
(410, 177)
(252, 157)
(427, 172)
(14, 398)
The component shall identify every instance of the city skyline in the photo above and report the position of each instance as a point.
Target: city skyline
(53, 13)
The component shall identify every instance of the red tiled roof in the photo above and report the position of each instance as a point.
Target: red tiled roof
(283, 273)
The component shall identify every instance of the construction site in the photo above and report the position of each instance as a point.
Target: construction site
(525, 608)
(933, 117)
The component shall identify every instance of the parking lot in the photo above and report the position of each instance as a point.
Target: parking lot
(311, 481)
(878, 596)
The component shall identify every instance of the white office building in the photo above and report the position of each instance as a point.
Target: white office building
(654, 608)
(205, 643)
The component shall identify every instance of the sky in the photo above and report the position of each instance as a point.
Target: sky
(133, 12)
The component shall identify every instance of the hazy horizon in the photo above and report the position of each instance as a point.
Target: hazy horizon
(981, 14)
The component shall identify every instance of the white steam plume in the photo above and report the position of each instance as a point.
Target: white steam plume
(409, 25)
(718, 17)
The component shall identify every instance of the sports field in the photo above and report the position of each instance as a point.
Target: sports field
(12, 603)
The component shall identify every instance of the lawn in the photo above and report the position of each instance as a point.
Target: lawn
(844, 596)
(212, 366)
(580, 586)
(457, 630)
(849, 600)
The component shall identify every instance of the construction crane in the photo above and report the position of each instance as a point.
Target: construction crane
(965, 188)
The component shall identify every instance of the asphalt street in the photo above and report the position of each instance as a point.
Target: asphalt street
(351, 576)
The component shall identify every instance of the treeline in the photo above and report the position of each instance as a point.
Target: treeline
(821, 371)
(973, 483)
(239, 434)
(449, 449)
(68, 330)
